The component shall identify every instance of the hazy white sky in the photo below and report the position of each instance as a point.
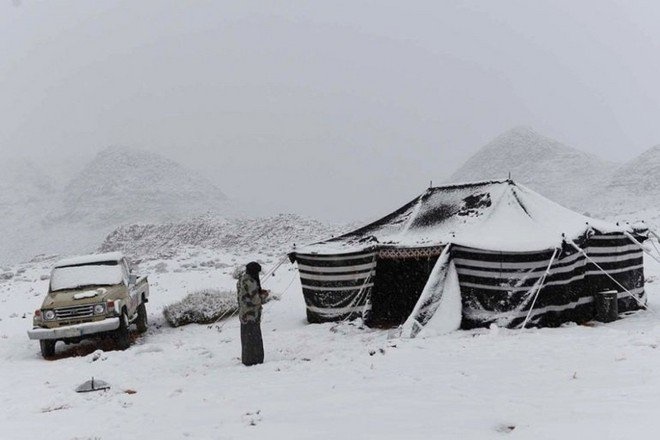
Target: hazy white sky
(337, 109)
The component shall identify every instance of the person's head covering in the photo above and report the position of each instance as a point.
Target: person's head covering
(253, 268)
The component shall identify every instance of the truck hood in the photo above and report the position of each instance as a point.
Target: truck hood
(87, 295)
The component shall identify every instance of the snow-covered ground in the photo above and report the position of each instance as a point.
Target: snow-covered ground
(326, 381)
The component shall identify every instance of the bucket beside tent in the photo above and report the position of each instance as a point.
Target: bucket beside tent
(623, 262)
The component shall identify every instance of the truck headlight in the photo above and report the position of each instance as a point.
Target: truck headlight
(49, 315)
(99, 309)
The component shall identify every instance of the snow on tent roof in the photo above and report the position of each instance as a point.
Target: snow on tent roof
(90, 259)
(493, 215)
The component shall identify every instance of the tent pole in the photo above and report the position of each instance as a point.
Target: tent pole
(609, 276)
(547, 271)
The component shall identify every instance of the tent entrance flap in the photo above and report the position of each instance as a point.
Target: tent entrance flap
(439, 308)
(397, 287)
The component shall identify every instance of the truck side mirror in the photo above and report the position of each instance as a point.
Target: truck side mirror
(132, 279)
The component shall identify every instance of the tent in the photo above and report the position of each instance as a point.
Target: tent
(477, 253)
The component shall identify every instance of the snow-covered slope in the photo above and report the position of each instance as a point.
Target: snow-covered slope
(269, 235)
(632, 189)
(561, 173)
(124, 185)
(327, 381)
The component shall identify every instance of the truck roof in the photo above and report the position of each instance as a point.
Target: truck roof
(90, 259)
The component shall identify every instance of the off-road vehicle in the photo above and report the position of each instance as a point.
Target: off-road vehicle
(92, 296)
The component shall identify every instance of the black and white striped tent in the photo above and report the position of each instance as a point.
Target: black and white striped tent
(517, 254)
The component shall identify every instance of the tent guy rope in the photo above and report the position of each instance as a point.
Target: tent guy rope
(266, 278)
(641, 246)
(579, 249)
(540, 286)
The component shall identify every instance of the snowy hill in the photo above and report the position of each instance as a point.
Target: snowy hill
(123, 185)
(562, 173)
(268, 236)
(633, 188)
(119, 186)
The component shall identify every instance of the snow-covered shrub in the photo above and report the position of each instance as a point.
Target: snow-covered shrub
(201, 307)
(161, 267)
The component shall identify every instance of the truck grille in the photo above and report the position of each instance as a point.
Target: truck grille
(74, 312)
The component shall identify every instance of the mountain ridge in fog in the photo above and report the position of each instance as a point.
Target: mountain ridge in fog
(560, 172)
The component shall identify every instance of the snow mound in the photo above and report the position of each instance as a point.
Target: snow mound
(202, 307)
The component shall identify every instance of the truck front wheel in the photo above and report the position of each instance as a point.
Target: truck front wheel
(142, 321)
(47, 348)
(122, 335)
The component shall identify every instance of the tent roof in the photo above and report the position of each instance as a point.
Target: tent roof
(494, 215)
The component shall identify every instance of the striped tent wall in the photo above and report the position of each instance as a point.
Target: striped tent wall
(337, 287)
(623, 260)
(498, 287)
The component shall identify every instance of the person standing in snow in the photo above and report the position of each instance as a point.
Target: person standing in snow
(250, 298)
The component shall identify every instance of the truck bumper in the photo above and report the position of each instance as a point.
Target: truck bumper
(76, 330)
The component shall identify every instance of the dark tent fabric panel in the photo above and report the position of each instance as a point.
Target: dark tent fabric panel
(624, 261)
(397, 287)
(498, 287)
(336, 287)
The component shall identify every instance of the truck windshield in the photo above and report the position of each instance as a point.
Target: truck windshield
(97, 274)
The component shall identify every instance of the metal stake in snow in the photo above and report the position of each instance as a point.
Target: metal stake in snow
(92, 385)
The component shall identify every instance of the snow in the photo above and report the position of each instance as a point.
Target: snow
(268, 235)
(447, 317)
(336, 380)
(64, 278)
(90, 259)
(204, 307)
(490, 215)
(88, 294)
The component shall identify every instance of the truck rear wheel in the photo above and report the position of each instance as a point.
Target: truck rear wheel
(122, 335)
(142, 321)
(47, 348)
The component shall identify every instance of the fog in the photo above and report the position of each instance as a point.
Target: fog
(338, 110)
